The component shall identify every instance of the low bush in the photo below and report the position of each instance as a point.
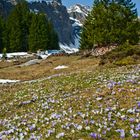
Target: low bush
(123, 55)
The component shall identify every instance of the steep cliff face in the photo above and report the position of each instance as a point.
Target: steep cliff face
(57, 13)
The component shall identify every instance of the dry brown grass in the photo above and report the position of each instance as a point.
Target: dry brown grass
(14, 62)
(9, 70)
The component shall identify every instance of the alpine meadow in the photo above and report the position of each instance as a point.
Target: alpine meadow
(69, 72)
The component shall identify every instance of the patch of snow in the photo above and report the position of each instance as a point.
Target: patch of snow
(99, 98)
(75, 8)
(76, 22)
(44, 55)
(4, 81)
(61, 67)
(76, 45)
(15, 54)
(78, 8)
(36, 11)
(67, 49)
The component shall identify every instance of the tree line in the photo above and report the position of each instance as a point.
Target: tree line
(110, 22)
(25, 30)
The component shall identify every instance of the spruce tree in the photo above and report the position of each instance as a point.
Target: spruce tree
(33, 34)
(38, 34)
(53, 43)
(43, 32)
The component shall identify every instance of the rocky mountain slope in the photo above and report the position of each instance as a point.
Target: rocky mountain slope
(78, 14)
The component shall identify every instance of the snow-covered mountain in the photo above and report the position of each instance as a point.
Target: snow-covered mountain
(78, 14)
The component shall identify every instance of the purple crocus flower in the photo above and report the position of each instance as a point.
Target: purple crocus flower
(92, 121)
(50, 132)
(119, 83)
(104, 132)
(109, 116)
(132, 126)
(132, 120)
(94, 135)
(110, 86)
(139, 104)
(122, 133)
(138, 127)
(32, 127)
(136, 135)
(86, 122)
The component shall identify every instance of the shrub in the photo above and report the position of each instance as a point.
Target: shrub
(122, 55)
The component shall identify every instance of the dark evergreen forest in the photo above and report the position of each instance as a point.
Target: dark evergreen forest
(25, 30)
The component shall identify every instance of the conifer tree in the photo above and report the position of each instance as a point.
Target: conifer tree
(41, 34)
(38, 34)
(25, 23)
(14, 31)
(33, 34)
(18, 27)
(1, 33)
(110, 22)
(5, 37)
(87, 36)
(52, 37)
(55, 41)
